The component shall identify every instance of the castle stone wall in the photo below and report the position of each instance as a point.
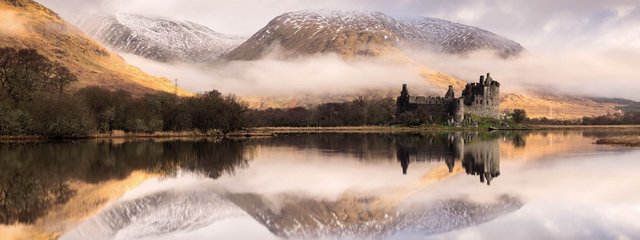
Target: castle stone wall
(435, 110)
(483, 98)
(480, 99)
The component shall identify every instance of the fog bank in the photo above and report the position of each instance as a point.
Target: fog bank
(588, 72)
(592, 73)
(322, 74)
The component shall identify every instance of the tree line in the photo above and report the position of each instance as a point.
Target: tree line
(358, 112)
(35, 100)
(96, 110)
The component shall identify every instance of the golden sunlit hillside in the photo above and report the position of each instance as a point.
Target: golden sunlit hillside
(552, 106)
(27, 24)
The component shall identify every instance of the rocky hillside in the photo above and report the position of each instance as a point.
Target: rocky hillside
(160, 39)
(450, 37)
(27, 24)
(352, 33)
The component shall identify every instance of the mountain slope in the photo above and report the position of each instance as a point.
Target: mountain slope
(351, 33)
(556, 106)
(450, 37)
(365, 34)
(27, 24)
(160, 39)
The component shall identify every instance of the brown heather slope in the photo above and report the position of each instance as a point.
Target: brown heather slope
(555, 106)
(27, 24)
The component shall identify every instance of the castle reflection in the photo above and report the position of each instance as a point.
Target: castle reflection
(479, 153)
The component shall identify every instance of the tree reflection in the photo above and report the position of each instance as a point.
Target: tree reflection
(35, 177)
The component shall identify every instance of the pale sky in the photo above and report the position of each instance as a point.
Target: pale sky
(584, 47)
(540, 25)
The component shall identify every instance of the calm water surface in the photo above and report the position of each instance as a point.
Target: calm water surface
(516, 185)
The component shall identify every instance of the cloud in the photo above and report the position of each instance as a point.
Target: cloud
(545, 25)
(320, 74)
(567, 197)
(284, 170)
(584, 72)
(583, 47)
(588, 72)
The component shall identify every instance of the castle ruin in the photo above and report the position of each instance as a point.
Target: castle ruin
(481, 99)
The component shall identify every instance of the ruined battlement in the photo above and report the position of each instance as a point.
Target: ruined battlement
(481, 98)
(428, 100)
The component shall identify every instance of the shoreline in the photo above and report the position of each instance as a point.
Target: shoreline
(271, 131)
(584, 127)
(629, 141)
(404, 129)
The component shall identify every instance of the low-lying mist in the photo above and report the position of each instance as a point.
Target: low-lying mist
(10, 23)
(594, 73)
(270, 77)
(587, 72)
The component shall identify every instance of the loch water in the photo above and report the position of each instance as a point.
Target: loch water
(440, 185)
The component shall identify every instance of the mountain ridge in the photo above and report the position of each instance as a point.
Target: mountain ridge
(358, 33)
(160, 39)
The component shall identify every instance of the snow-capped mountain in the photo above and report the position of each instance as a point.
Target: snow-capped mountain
(355, 33)
(453, 37)
(160, 39)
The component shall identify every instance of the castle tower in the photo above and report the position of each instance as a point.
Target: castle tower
(488, 80)
(402, 103)
(450, 93)
(405, 91)
(483, 98)
(458, 110)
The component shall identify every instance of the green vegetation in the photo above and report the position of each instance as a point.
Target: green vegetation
(95, 110)
(24, 73)
(34, 101)
(519, 115)
(508, 122)
(359, 112)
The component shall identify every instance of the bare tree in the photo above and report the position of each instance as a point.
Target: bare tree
(59, 78)
(24, 72)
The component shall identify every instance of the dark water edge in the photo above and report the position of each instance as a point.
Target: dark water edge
(271, 131)
(37, 176)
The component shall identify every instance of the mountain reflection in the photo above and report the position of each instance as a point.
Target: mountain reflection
(35, 177)
(478, 152)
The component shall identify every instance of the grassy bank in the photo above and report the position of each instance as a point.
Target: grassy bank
(363, 129)
(270, 131)
(118, 135)
(585, 127)
(253, 132)
(632, 141)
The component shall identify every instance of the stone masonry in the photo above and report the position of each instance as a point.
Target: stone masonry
(481, 99)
